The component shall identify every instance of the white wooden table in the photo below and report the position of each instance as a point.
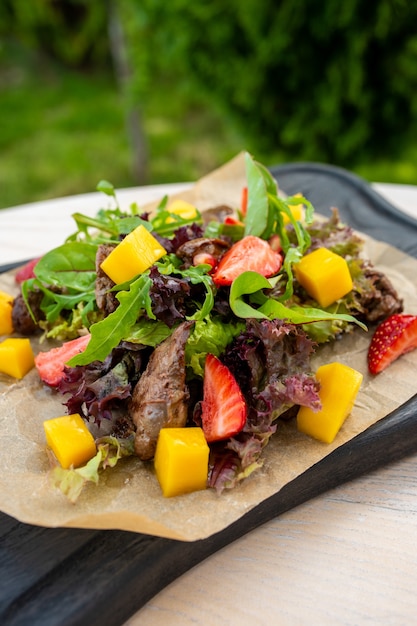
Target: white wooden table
(348, 557)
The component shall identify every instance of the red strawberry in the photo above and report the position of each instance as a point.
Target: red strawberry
(394, 336)
(250, 253)
(50, 365)
(26, 271)
(230, 220)
(244, 201)
(223, 408)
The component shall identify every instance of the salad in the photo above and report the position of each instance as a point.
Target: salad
(216, 330)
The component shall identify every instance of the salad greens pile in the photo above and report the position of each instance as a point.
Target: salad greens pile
(264, 329)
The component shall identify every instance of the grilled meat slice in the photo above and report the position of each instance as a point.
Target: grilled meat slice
(160, 398)
(22, 321)
(381, 300)
(216, 213)
(213, 246)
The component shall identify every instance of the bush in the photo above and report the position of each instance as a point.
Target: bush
(71, 32)
(298, 79)
(331, 81)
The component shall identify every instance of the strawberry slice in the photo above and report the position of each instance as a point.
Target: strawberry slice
(26, 271)
(248, 254)
(223, 408)
(50, 365)
(394, 336)
(244, 200)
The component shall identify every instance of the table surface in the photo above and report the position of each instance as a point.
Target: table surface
(346, 557)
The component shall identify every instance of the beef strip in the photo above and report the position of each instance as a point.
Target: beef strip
(22, 321)
(160, 398)
(105, 298)
(382, 300)
(216, 213)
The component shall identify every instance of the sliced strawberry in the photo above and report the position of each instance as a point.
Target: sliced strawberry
(50, 365)
(394, 336)
(223, 408)
(231, 220)
(244, 201)
(26, 271)
(249, 254)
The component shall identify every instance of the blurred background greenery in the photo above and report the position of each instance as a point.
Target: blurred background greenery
(145, 91)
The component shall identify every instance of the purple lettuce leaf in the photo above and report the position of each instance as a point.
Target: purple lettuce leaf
(271, 362)
(181, 236)
(102, 390)
(170, 296)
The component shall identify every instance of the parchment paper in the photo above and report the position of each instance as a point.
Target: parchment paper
(129, 497)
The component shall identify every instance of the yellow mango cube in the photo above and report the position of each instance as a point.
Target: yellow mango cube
(134, 254)
(339, 387)
(181, 460)
(16, 357)
(6, 324)
(183, 209)
(70, 440)
(324, 275)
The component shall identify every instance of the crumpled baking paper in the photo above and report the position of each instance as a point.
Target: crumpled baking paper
(129, 497)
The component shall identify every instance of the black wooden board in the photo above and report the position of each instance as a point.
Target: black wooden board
(75, 577)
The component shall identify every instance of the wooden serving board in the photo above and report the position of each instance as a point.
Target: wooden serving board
(74, 577)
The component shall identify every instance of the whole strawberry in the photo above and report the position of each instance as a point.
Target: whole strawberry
(394, 336)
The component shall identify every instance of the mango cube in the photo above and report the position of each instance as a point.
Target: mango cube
(16, 357)
(183, 209)
(324, 275)
(6, 324)
(339, 387)
(134, 254)
(70, 440)
(181, 460)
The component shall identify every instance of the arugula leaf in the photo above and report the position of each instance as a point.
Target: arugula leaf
(165, 223)
(245, 284)
(111, 223)
(107, 334)
(252, 283)
(265, 217)
(65, 327)
(217, 229)
(170, 264)
(292, 257)
(304, 315)
(53, 303)
(198, 274)
(106, 188)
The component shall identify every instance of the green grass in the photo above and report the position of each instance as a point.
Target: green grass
(58, 136)
(62, 131)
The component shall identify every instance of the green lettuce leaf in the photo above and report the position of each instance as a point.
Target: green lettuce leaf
(209, 336)
(109, 451)
(148, 333)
